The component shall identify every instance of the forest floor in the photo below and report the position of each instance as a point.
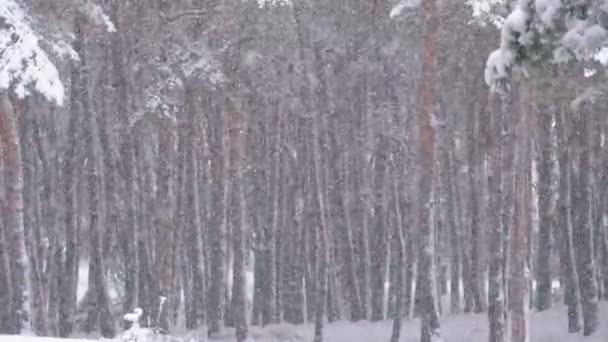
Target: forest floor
(548, 326)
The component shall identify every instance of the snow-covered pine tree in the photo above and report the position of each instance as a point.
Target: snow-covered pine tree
(24, 67)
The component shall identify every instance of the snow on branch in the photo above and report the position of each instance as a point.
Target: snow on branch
(515, 34)
(486, 11)
(96, 15)
(23, 63)
(402, 6)
(540, 32)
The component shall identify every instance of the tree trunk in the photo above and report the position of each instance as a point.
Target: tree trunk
(518, 285)
(547, 208)
(400, 256)
(378, 240)
(236, 216)
(426, 258)
(564, 224)
(496, 294)
(215, 295)
(582, 227)
(13, 217)
(32, 223)
(195, 316)
(69, 277)
(474, 280)
(127, 235)
(100, 312)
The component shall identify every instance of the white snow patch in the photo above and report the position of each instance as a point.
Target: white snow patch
(498, 66)
(83, 280)
(602, 56)
(262, 3)
(587, 73)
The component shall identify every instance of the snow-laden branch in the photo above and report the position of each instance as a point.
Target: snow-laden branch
(23, 63)
(402, 6)
(539, 32)
(96, 15)
(486, 11)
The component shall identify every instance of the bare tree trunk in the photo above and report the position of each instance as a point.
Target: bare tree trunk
(582, 227)
(32, 223)
(97, 270)
(400, 251)
(215, 295)
(429, 328)
(127, 235)
(455, 257)
(236, 215)
(322, 247)
(378, 240)
(564, 224)
(496, 294)
(165, 221)
(475, 275)
(99, 312)
(268, 306)
(546, 205)
(518, 285)
(13, 217)
(356, 305)
(5, 281)
(195, 316)
(68, 278)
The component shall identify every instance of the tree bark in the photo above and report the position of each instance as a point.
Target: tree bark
(474, 279)
(582, 227)
(518, 283)
(236, 215)
(426, 258)
(100, 312)
(564, 224)
(546, 205)
(496, 294)
(13, 217)
(400, 256)
(215, 295)
(69, 276)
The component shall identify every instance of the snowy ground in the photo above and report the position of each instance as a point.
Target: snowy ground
(545, 327)
(548, 326)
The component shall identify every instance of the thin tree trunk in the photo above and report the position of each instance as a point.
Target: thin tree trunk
(582, 227)
(496, 294)
(547, 208)
(400, 249)
(68, 278)
(518, 285)
(476, 267)
(564, 222)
